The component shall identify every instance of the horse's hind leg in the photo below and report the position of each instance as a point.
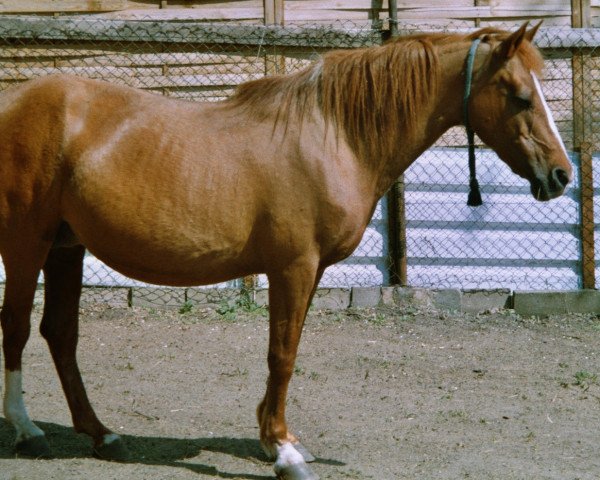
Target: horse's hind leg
(62, 278)
(290, 293)
(22, 267)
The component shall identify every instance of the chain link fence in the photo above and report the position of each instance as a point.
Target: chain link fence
(511, 241)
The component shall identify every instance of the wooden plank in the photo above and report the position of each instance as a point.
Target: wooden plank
(33, 52)
(498, 12)
(80, 55)
(323, 10)
(158, 82)
(201, 4)
(184, 81)
(253, 13)
(428, 19)
(152, 5)
(148, 4)
(221, 61)
(227, 69)
(330, 16)
(57, 6)
(90, 72)
(368, 4)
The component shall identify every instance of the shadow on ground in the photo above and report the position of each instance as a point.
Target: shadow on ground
(161, 451)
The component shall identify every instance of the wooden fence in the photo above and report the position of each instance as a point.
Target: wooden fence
(469, 12)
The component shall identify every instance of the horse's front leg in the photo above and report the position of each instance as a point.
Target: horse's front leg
(290, 293)
(63, 276)
(22, 262)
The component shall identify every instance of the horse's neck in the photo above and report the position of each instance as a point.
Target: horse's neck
(440, 113)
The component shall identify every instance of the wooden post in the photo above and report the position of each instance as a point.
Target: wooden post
(581, 14)
(396, 203)
(274, 62)
(393, 6)
(588, 253)
(273, 12)
(397, 233)
(477, 3)
(583, 142)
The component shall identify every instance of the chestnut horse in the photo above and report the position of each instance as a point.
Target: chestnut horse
(152, 187)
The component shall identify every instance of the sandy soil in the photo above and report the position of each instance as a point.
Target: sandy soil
(377, 394)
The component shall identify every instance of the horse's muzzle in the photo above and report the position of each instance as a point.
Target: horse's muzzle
(545, 188)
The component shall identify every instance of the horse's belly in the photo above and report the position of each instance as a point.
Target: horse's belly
(167, 254)
(173, 268)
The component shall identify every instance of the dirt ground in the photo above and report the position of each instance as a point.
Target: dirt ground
(377, 394)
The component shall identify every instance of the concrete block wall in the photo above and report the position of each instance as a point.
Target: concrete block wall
(525, 303)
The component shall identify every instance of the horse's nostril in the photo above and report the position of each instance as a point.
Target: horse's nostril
(560, 176)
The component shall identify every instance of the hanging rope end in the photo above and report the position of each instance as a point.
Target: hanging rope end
(474, 199)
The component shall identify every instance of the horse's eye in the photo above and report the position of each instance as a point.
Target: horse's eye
(523, 101)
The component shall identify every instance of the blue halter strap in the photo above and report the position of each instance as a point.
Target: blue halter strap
(474, 199)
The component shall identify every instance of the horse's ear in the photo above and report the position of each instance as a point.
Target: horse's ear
(532, 31)
(509, 47)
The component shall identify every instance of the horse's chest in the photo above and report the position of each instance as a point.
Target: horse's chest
(342, 232)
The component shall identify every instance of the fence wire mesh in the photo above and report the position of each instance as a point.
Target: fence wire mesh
(511, 241)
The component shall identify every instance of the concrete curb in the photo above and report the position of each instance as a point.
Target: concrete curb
(560, 302)
(525, 303)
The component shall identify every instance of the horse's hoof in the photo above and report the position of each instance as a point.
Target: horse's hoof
(297, 471)
(33, 447)
(301, 449)
(114, 451)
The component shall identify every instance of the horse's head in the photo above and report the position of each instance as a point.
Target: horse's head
(508, 111)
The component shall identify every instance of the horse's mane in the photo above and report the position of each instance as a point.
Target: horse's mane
(367, 92)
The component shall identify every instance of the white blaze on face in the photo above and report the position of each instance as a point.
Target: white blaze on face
(14, 407)
(538, 87)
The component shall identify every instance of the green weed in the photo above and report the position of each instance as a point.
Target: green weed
(229, 310)
(186, 307)
(585, 379)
